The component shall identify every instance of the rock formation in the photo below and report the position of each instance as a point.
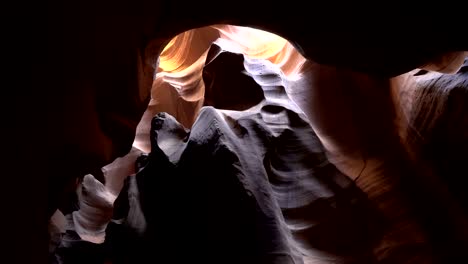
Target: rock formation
(95, 63)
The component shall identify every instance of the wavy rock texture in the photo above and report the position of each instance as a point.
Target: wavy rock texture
(179, 87)
(435, 130)
(360, 120)
(93, 70)
(248, 186)
(363, 128)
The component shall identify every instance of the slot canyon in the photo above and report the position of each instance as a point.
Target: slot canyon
(163, 132)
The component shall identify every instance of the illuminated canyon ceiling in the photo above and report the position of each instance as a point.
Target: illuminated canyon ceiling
(352, 113)
(179, 88)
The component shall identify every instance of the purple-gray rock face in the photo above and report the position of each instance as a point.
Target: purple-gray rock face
(96, 63)
(255, 185)
(239, 187)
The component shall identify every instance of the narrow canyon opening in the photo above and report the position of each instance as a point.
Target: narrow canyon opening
(278, 159)
(218, 66)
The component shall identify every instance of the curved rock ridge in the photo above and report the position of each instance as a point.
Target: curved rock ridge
(179, 87)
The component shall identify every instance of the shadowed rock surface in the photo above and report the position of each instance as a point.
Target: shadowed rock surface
(94, 63)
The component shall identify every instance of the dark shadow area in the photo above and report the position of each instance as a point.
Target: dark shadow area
(226, 86)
